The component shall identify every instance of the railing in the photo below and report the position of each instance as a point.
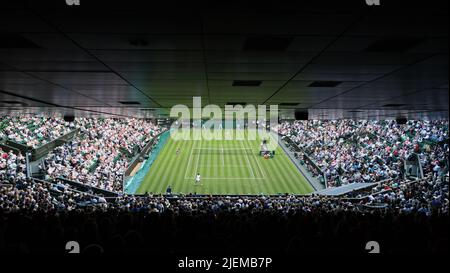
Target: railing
(71, 190)
(27, 158)
(141, 154)
(84, 187)
(233, 197)
(406, 182)
(5, 147)
(39, 152)
(132, 183)
(227, 196)
(45, 149)
(274, 196)
(22, 148)
(307, 158)
(413, 163)
(379, 183)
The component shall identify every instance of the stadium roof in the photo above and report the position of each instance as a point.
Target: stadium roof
(335, 58)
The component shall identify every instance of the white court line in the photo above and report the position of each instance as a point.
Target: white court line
(198, 160)
(248, 161)
(232, 166)
(231, 178)
(223, 158)
(222, 149)
(257, 160)
(259, 166)
(220, 166)
(189, 163)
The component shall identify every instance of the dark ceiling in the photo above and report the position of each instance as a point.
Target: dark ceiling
(335, 58)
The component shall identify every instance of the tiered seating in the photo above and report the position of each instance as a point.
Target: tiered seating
(98, 156)
(427, 197)
(33, 131)
(368, 151)
(101, 153)
(404, 208)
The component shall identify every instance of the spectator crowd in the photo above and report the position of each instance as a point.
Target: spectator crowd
(12, 166)
(33, 131)
(409, 217)
(348, 151)
(428, 196)
(99, 155)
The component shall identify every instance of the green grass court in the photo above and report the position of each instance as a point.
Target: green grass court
(226, 167)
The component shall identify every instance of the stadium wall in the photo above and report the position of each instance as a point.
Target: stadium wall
(134, 183)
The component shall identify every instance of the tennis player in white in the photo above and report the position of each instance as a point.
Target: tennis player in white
(197, 179)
